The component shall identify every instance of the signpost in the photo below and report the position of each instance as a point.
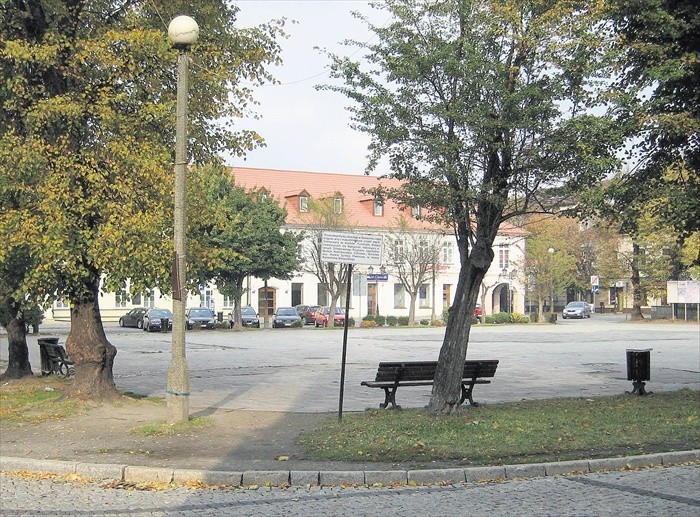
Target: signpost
(350, 248)
(595, 289)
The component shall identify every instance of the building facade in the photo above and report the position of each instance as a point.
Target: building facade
(374, 290)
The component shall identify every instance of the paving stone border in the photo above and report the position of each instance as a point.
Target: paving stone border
(139, 474)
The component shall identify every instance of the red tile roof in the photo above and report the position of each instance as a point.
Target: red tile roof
(285, 186)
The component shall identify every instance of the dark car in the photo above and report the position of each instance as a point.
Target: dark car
(285, 317)
(321, 317)
(249, 318)
(152, 319)
(133, 318)
(200, 317)
(576, 310)
(307, 313)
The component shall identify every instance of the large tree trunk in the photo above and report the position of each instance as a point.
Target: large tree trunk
(412, 308)
(18, 364)
(88, 347)
(636, 284)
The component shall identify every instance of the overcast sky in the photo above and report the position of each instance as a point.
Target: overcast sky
(306, 129)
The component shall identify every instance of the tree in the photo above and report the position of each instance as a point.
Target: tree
(88, 112)
(323, 215)
(479, 106)
(235, 234)
(412, 257)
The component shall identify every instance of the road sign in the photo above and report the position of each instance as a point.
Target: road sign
(596, 289)
(595, 280)
(351, 248)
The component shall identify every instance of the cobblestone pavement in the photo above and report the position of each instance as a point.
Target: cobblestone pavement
(658, 491)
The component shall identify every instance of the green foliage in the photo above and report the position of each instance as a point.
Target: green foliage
(369, 317)
(425, 322)
(534, 317)
(436, 323)
(351, 321)
(392, 321)
(403, 321)
(297, 324)
(381, 320)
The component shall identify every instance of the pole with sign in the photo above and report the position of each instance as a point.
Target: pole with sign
(349, 248)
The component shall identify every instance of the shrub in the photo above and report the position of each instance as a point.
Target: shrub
(446, 315)
(436, 323)
(534, 317)
(392, 321)
(351, 321)
(520, 318)
(403, 321)
(425, 322)
(381, 320)
(368, 324)
(491, 319)
(369, 317)
(298, 324)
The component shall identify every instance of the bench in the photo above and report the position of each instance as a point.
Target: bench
(54, 360)
(391, 375)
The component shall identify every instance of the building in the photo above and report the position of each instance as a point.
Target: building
(374, 291)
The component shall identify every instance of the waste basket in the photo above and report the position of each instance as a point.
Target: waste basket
(639, 369)
(164, 324)
(45, 363)
(220, 316)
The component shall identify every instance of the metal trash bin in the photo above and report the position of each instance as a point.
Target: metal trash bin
(220, 316)
(164, 324)
(45, 363)
(639, 369)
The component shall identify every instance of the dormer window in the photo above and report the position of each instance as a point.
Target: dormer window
(378, 207)
(338, 204)
(303, 204)
(262, 194)
(415, 211)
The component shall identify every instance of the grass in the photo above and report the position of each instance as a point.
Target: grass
(523, 432)
(162, 428)
(36, 399)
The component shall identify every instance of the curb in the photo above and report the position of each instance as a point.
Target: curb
(371, 478)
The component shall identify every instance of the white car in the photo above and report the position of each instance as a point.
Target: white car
(576, 310)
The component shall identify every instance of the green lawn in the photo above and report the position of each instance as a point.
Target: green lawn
(523, 432)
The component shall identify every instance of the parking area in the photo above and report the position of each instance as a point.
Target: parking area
(298, 370)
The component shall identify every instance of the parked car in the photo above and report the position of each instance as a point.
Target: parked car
(133, 318)
(151, 320)
(249, 318)
(285, 317)
(307, 313)
(321, 317)
(477, 312)
(576, 310)
(200, 317)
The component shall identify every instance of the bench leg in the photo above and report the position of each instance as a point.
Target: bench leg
(467, 394)
(389, 398)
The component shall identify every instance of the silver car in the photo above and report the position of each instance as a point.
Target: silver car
(576, 310)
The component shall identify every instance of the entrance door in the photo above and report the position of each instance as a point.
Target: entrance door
(372, 299)
(266, 301)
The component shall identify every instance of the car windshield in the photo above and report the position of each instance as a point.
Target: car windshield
(575, 305)
(199, 313)
(161, 313)
(339, 310)
(248, 311)
(287, 312)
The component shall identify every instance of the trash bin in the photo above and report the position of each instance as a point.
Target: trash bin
(220, 316)
(45, 363)
(639, 369)
(164, 324)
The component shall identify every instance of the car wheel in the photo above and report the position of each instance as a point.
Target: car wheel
(139, 324)
(121, 322)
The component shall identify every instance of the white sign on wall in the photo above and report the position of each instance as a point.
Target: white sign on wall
(352, 248)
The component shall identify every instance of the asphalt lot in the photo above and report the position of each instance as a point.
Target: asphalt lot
(298, 370)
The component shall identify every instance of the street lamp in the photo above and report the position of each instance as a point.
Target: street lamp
(183, 31)
(506, 275)
(551, 279)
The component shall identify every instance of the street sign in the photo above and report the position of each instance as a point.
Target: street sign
(351, 248)
(596, 289)
(595, 280)
(378, 277)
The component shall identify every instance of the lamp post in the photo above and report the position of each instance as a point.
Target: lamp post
(551, 279)
(183, 31)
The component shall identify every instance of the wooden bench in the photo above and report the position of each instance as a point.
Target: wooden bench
(55, 361)
(391, 375)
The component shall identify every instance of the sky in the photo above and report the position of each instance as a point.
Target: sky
(306, 129)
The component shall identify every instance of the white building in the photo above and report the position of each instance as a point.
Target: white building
(373, 292)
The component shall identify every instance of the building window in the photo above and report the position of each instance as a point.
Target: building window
(423, 297)
(399, 296)
(206, 298)
(378, 207)
(62, 304)
(121, 297)
(228, 301)
(447, 253)
(503, 262)
(415, 211)
(446, 295)
(303, 204)
(338, 205)
(399, 250)
(147, 300)
(322, 294)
